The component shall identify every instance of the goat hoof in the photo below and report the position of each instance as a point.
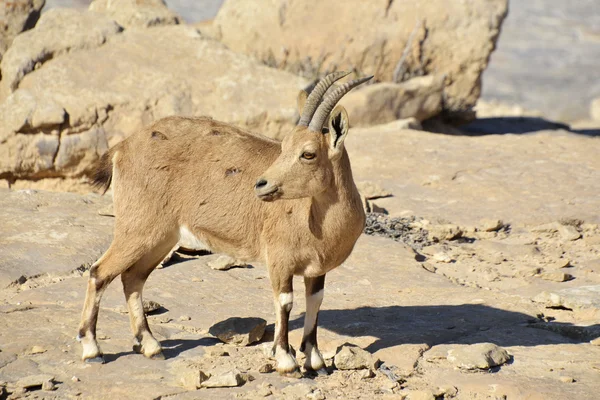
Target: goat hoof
(95, 360)
(138, 348)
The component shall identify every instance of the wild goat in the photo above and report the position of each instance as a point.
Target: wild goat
(292, 205)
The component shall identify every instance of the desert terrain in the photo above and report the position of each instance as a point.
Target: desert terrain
(478, 273)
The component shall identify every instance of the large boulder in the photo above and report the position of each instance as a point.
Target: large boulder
(17, 16)
(419, 98)
(67, 112)
(394, 40)
(136, 13)
(59, 31)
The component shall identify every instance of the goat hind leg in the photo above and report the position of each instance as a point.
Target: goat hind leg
(314, 298)
(102, 273)
(133, 284)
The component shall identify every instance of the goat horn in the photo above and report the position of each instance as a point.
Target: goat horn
(316, 124)
(317, 93)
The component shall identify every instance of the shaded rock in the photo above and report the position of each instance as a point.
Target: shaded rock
(366, 373)
(556, 276)
(17, 16)
(136, 13)
(239, 331)
(380, 33)
(583, 297)
(229, 379)
(491, 225)
(34, 381)
(48, 386)
(192, 378)
(478, 356)
(62, 117)
(352, 357)
(59, 31)
(438, 233)
(266, 368)
(150, 306)
(420, 98)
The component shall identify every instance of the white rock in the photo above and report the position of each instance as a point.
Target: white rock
(478, 356)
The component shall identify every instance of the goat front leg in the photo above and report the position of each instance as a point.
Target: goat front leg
(284, 301)
(314, 298)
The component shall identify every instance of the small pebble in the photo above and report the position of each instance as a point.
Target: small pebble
(185, 318)
(566, 379)
(266, 368)
(75, 379)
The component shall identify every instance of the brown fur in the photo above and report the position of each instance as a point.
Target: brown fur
(200, 174)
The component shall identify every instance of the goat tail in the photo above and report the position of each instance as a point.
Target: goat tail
(103, 170)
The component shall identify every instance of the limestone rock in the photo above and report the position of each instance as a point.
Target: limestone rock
(577, 298)
(556, 276)
(239, 331)
(136, 13)
(59, 31)
(93, 92)
(438, 233)
(17, 16)
(34, 381)
(420, 98)
(192, 378)
(352, 357)
(491, 225)
(568, 232)
(444, 43)
(266, 368)
(478, 356)
(229, 379)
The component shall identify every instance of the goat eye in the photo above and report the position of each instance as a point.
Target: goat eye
(308, 156)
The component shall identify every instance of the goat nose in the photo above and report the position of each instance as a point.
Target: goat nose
(260, 183)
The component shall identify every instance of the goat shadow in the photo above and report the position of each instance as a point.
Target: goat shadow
(457, 324)
(518, 125)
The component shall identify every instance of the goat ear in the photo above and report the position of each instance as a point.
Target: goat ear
(301, 100)
(338, 128)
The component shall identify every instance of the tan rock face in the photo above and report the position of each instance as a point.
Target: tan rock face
(15, 17)
(71, 109)
(370, 37)
(380, 103)
(136, 13)
(59, 31)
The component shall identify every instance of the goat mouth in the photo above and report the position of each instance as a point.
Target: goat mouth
(270, 195)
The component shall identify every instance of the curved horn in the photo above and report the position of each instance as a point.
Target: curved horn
(316, 124)
(317, 93)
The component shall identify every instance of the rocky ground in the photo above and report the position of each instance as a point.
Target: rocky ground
(488, 239)
(476, 278)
